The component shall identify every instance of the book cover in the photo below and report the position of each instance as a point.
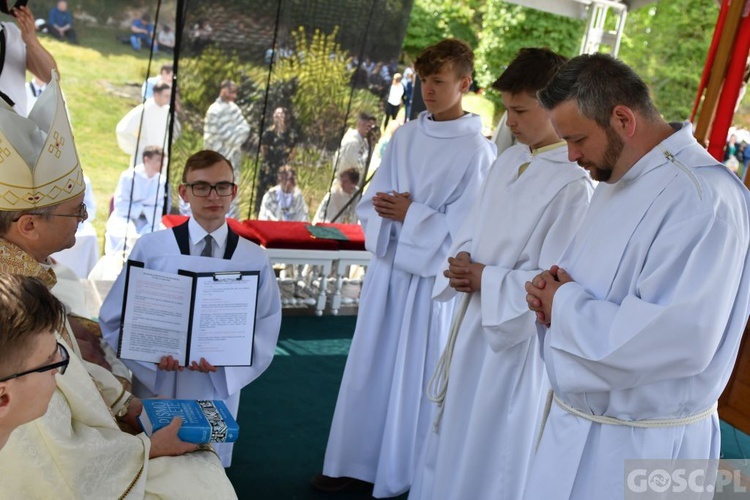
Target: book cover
(203, 421)
(326, 232)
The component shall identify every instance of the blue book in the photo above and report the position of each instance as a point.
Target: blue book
(203, 421)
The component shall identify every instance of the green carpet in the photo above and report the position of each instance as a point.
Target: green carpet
(286, 414)
(735, 444)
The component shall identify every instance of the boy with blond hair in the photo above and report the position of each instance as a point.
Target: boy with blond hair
(429, 177)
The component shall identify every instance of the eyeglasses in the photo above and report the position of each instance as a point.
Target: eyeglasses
(60, 366)
(82, 214)
(203, 189)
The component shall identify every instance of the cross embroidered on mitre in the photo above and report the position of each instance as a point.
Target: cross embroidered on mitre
(39, 163)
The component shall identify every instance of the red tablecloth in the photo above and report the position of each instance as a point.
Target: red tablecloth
(238, 227)
(290, 235)
(274, 234)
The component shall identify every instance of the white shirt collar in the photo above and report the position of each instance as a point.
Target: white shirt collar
(197, 233)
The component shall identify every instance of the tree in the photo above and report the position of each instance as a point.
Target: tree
(667, 44)
(509, 28)
(432, 21)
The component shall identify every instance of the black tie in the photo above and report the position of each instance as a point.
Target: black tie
(208, 248)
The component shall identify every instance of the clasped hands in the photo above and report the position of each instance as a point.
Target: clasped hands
(392, 205)
(541, 290)
(168, 363)
(463, 274)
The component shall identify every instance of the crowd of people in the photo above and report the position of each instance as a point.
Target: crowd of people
(511, 340)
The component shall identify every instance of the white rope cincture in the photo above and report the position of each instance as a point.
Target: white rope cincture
(437, 387)
(605, 420)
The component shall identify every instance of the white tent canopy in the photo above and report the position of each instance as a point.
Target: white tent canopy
(577, 8)
(596, 12)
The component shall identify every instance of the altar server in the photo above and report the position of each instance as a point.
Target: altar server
(490, 384)
(430, 176)
(651, 297)
(202, 244)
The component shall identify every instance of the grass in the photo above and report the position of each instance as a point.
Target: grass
(101, 79)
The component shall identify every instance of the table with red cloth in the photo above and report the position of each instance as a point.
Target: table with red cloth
(290, 242)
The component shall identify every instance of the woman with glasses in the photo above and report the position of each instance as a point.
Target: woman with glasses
(30, 355)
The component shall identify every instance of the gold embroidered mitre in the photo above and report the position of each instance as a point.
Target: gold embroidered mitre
(39, 164)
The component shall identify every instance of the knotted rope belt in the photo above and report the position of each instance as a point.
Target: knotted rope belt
(603, 419)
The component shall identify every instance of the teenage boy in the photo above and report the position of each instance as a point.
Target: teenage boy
(30, 355)
(204, 243)
(491, 379)
(430, 176)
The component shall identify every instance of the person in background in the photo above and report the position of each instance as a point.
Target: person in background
(23, 52)
(284, 201)
(408, 82)
(60, 23)
(142, 33)
(225, 130)
(166, 39)
(337, 198)
(277, 147)
(135, 132)
(138, 202)
(34, 88)
(166, 72)
(396, 94)
(356, 144)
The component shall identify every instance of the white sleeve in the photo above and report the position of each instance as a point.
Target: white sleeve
(670, 326)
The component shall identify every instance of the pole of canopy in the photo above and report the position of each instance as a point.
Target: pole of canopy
(730, 91)
(719, 71)
(363, 180)
(138, 138)
(258, 164)
(710, 57)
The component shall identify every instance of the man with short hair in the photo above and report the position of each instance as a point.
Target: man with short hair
(165, 76)
(642, 319)
(284, 201)
(78, 442)
(356, 144)
(142, 33)
(60, 23)
(135, 132)
(138, 201)
(208, 186)
(30, 355)
(337, 198)
(225, 130)
(166, 39)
